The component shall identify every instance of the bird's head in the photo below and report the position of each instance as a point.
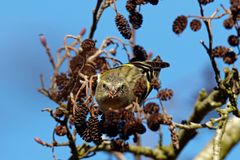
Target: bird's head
(112, 92)
(114, 88)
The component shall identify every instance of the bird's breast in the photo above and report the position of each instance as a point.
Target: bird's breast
(113, 103)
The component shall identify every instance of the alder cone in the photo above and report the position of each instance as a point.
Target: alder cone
(195, 25)
(86, 136)
(151, 108)
(205, 2)
(79, 116)
(165, 94)
(123, 26)
(131, 6)
(93, 126)
(219, 51)
(228, 23)
(140, 53)
(179, 24)
(153, 2)
(235, 10)
(234, 1)
(61, 130)
(139, 2)
(153, 121)
(87, 44)
(136, 19)
(230, 57)
(233, 40)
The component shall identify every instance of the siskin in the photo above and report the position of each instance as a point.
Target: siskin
(115, 88)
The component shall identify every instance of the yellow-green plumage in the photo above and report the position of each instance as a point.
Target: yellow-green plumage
(115, 86)
(119, 87)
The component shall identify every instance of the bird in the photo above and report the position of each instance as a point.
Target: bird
(116, 87)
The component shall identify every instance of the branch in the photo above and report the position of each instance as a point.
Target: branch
(104, 5)
(192, 125)
(226, 12)
(95, 20)
(72, 144)
(47, 49)
(230, 138)
(53, 116)
(137, 150)
(218, 139)
(104, 44)
(51, 145)
(119, 155)
(132, 40)
(70, 136)
(203, 106)
(207, 23)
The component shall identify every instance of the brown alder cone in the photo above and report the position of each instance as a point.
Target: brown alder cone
(228, 23)
(131, 6)
(136, 19)
(151, 108)
(153, 2)
(95, 133)
(123, 26)
(87, 44)
(61, 130)
(205, 2)
(165, 94)
(179, 24)
(219, 51)
(79, 116)
(230, 57)
(195, 25)
(233, 40)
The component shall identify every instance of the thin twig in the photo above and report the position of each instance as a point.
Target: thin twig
(42, 81)
(47, 49)
(44, 92)
(60, 59)
(114, 60)
(104, 44)
(132, 40)
(95, 20)
(209, 18)
(203, 44)
(192, 125)
(72, 144)
(115, 6)
(225, 9)
(104, 5)
(160, 142)
(119, 155)
(207, 23)
(54, 144)
(49, 110)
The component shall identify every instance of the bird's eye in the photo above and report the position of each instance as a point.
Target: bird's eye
(122, 86)
(104, 85)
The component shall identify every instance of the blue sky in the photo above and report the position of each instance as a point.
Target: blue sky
(23, 60)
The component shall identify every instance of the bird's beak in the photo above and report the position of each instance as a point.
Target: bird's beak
(112, 93)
